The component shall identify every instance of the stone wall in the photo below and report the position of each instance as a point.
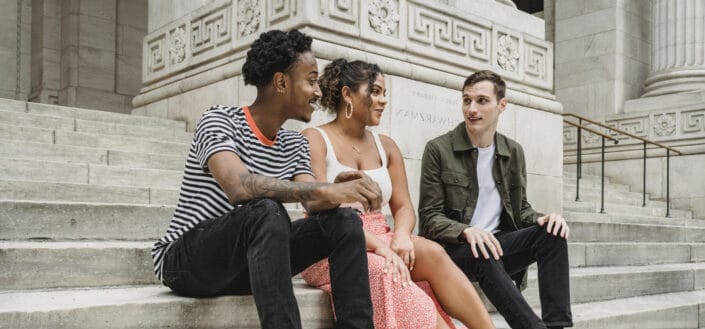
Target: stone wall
(15, 45)
(425, 47)
(602, 54)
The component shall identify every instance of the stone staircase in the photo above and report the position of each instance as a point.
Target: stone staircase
(83, 194)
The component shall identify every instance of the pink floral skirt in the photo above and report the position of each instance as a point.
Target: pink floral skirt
(394, 307)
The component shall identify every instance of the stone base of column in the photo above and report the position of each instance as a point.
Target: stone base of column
(685, 100)
(675, 82)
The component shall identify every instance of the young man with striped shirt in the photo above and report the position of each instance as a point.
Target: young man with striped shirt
(230, 233)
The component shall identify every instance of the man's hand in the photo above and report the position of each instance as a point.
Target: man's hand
(555, 224)
(354, 186)
(483, 240)
(402, 245)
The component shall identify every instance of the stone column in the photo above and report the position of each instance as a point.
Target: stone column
(678, 47)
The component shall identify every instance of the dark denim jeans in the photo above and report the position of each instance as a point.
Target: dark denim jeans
(522, 248)
(255, 249)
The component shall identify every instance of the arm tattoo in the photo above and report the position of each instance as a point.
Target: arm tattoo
(258, 186)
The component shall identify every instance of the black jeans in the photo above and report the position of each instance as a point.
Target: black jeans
(522, 248)
(255, 249)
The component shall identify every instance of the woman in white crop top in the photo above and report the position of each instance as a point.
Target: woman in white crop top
(410, 277)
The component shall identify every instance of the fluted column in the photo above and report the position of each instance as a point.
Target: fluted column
(678, 47)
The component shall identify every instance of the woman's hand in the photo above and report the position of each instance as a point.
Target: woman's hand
(394, 265)
(402, 245)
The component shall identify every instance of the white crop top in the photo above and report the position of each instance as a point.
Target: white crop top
(379, 175)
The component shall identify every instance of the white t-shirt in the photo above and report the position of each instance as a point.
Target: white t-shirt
(489, 204)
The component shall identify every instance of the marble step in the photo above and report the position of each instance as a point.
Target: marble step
(23, 190)
(93, 174)
(26, 134)
(617, 208)
(103, 116)
(632, 254)
(625, 232)
(120, 143)
(579, 216)
(596, 184)
(99, 127)
(146, 307)
(7, 104)
(81, 154)
(27, 220)
(51, 221)
(679, 310)
(625, 197)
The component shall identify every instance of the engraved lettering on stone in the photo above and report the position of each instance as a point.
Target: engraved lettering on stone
(442, 31)
(693, 122)
(280, 10)
(249, 14)
(177, 51)
(507, 53)
(210, 31)
(665, 124)
(384, 16)
(155, 49)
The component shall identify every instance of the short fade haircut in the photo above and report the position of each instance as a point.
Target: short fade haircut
(499, 86)
(274, 51)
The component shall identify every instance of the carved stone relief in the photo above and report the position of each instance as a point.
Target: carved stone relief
(177, 46)
(507, 53)
(664, 124)
(249, 14)
(384, 16)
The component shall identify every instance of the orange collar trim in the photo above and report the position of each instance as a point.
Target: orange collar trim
(251, 122)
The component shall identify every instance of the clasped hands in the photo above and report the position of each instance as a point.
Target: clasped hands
(399, 258)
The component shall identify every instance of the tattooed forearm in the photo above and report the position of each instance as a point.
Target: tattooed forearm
(258, 186)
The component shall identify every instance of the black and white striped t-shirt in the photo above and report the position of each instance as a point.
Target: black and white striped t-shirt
(228, 129)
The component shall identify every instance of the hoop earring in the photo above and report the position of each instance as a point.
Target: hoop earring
(348, 115)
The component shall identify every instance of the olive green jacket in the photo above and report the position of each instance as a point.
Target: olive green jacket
(449, 187)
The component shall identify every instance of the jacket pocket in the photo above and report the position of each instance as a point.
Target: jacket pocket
(457, 189)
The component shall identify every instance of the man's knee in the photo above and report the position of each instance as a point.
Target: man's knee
(345, 224)
(268, 217)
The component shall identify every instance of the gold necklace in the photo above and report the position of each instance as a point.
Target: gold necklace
(337, 131)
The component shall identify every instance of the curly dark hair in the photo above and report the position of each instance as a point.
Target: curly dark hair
(341, 73)
(274, 51)
(500, 87)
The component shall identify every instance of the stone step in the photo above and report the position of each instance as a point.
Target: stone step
(630, 253)
(94, 115)
(596, 184)
(37, 121)
(31, 265)
(80, 154)
(94, 174)
(590, 284)
(120, 143)
(146, 307)
(26, 134)
(22, 190)
(624, 209)
(26, 220)
(592, 194)
(622, 232)
(153, 132)
(678, 310)
(12, 105)
(579, 216)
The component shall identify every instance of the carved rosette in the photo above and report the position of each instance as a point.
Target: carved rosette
(665, 124)
(248, 17)
(507, 53)
(177, 47)
(384, 16)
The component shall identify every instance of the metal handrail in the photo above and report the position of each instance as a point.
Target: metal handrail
(645, 141)
(578, 169)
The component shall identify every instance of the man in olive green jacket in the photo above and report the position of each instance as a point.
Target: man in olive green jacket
(473, 201)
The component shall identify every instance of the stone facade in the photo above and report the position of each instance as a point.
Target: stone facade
(665, 103)
(76, 53)
(426, 49)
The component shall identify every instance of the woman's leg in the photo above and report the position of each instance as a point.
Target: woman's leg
(451, 287)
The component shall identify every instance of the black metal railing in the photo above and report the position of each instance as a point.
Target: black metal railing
(578, 175)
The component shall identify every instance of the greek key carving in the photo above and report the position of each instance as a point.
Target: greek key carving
(535, 64)
(444, 32)
(155, 53)
(638, 126)
(210, 31)
(249, 14)
(570, 135)
(280, 10)
(384, 16)
(664, 124)
(693, 122)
